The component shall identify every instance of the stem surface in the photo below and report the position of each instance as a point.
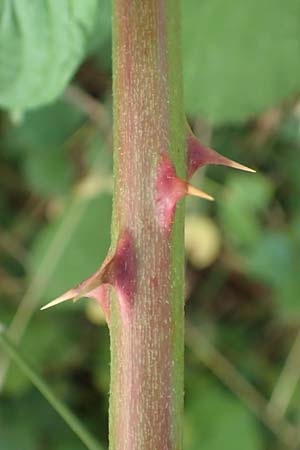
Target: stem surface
(146, 398)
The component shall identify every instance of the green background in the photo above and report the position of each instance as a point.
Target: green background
(241, 74)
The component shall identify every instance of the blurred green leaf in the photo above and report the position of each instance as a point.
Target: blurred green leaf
(55, 347)
(19, 430)
(37, 143)
(290, 129)
(245, 197)
(275, 260)
(30, 423)
(285, 164)
(44, 128)
(68, 446)
(239, 57)
(48, 172)
(101, 372)
(100, 42)
(41, 45)
(215, 420)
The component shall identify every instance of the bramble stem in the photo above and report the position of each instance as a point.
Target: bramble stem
(146, 398)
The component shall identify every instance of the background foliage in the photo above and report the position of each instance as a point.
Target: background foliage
(243, 252)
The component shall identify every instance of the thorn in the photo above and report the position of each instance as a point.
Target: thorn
(118, 271)
(86, 287)
(72, 294)
(236, 165)
(191, 190)
(169, 190)
(199, 155)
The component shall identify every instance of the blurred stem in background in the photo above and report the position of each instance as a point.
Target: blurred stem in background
(70, 419)
(288, 434)
(287, 381)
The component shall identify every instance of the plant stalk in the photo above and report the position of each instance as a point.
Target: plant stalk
(146, 394)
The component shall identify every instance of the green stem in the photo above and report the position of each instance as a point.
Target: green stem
(146, 402)
(71, 420)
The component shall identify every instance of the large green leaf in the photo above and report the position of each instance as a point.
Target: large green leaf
(239, 57)
(41, 45)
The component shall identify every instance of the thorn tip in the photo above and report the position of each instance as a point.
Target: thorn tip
(69, 295)
(191, 190)
(236, 165)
